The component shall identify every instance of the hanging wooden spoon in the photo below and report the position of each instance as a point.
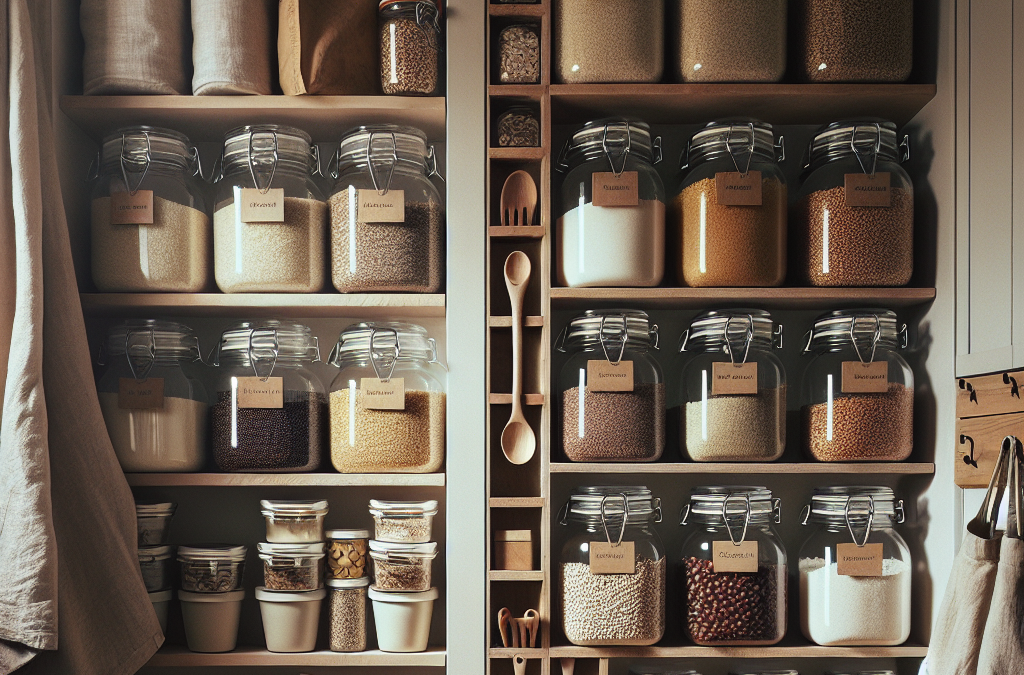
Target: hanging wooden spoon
(518, 440)
(519, 663)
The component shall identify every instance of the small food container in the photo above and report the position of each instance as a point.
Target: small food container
(161, 602)
(292, 567)
(211, 620)
(346, 554)
(348, 614)
(402, 567)
(608, 41)
(294, 521)
(290, 620)
(410, 43)
(513, 550)
(211, 568)
(402, 619)
(153, 520)
(519, 54)
(518, 128)
(403, 522)
(155, 562)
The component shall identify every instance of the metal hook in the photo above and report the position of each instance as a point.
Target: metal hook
(874, 340)
(969, 459)
(254, 358)
(746, 517)
(750, 156)
(870, 515)
(748, 338)
(877, 148)
(625, 517)
(370, 155)
(1012, 381)
(147, 351)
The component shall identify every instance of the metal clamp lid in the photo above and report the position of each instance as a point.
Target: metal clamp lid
(867, 140)
(722, 328)
(148, 342)
(383, 344)
(877, 327)
(633, 504)
(607, 137)
(856, 507)
(715, 504)
(599, 327)
(717, 140)
(263, 344)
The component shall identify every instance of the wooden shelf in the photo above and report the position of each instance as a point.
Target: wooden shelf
(742, 468)
(284, 479)
(506, 321)
(776, 298)
(506, 399)
(516, 502)
(520, 154)
(516, 10)
(509, 652)
(515, 575)
(288, 305)
(531, 91)
(208, 118)
(521, 232)
(180, 657)
(777, 652)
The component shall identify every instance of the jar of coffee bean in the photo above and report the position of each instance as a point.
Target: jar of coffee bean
(734, 388)
(854, 40)
(612, 389)
(410, 46)
(858, 392)
(612, 567)
(734, 567)
(854, 216)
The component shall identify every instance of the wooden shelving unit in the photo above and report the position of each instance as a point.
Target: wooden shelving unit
(227, 305)
(285, 479)
(804, 651)
(775, 298)
(179, 657)
(745, 469)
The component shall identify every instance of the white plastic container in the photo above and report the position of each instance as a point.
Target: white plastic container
(294, 521)
(153, 521)
(211, 620)
(403, 522)
(402, 619)
(161, 603)
(290, 620)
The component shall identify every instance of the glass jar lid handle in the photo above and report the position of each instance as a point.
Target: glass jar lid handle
(750, 149)
(140, 348)
(874, 340)
(870, 518)
(197, 166)
(428, 19)
(746, 517)
(389, 159)
(128, 160)
(622, 337)
(748, 338)
(625, 517)
(625, 150)
(432, 165)
(260, 354)
(374, 354)
(876, 149)
(259, 184)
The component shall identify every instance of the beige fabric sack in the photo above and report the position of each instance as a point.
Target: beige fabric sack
(328, 47)
(233, 46)
(136, 47)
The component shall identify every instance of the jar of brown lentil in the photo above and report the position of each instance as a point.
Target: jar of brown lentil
(608, 41)
(854, 216)
(863, 41)
(519, 54)
(730, 40)
(731, 208)
(410, 43)
(734, 567)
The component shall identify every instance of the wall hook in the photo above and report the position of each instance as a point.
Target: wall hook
(1014, 391)
(969, 459)
(964, 384)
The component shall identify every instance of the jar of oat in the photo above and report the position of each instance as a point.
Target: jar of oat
(270, 408)
(150, 225)
(734, 567)
(410, 43)
(613, 390)
(403, 522)
(611, 187)
(347, 614)
(153, 403)
(734, 388)
(270, 218)
(730, 211)
(402, 568)
(854, 216)
(612, 568)
(294, 521)
(610, 41)
(866, 41)
(346, 553)
(292, 567)
(388, 401)
(211, 568)
(387, 221)
(855, 569)
(519, 54)
(858, 392)
(729, 40)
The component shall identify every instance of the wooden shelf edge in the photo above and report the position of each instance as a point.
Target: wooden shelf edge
(517, 10)
(740, 88)
(533, 91)
(793, 298)
(285, 479)
(739, 468)
(516, 502)
(693, 651)
(506, 399)
(506, 321)
(522, 232)
(282, 304)
(515, 575)
(509, 652)
(251, 656)
(521, 154)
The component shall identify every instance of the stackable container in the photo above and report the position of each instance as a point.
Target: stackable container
(211, 568)
(153, 522)
(402, 619)
(290, 620)
(211, 620)
(402, 568)
(347, 552)
(292, 567)
(403, 522)
(347, 614)
(157, 567)
(161, 601)
(291, 521)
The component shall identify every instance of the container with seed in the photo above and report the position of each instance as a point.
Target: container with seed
(403, 522)
(292, 567)
(854, 40)
(402, 568)
(211, 568)
(519, 54)
(347, 553)
(518, 128)
(609, 41)
(294, 521)
(729, 40)
(347, 614)
(410, 46)
(858, 392)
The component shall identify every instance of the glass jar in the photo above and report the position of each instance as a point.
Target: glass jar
(410, 43)
(292, 567)
(346, 554)
(854, 407)
(614, 236)
(610, 41)
(403, 522)
(735, 567)
(855, 570)
(518, 128)
(270, 218)
(388, 401)
(153, 521)
(154, 406)
(854, 217)
(613, 390)
(150, 226)
(731, 208)
(211, 568)
(270, 408)
(660, 670)
(294, 521)
(840, 41)
(387, 221)
(402, 568)
(734, 388)
(612, 567)
(155, 563)
(519, 54)
(347, 614)
(730, 40)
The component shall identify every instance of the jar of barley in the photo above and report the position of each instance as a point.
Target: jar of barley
(608, 41)
(410, 42)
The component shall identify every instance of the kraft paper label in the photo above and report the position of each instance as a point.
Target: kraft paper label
(254, 392)
(131, 209)
(145, 394)
(865, 190)
(865, 378)
(612, 190)
(730, 378)
(376, 394)
(258, 207)
(736, 189)
(604, 375)
(607, 558)
(730, 557)
(859, 561)
(380, 208)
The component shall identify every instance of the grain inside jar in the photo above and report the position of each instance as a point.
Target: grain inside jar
(614, 426)
(862, 427)
(403, 441)
(409, 46)
(737, 428)
(609, 41)
(730, 40)
(614, 609)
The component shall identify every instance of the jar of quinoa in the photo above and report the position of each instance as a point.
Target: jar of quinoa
(410, 45)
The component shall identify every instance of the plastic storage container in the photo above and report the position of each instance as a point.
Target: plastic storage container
(346, 554)
(734, 388)
(154, 407)
(404, 568)
(157, 566)
(854, 217)
(731, 208)
(612, 567)
(855, 570)
(735, 567)
(294, 521)
(211, 620)
(153, 521)
(292, 567)
(729, 40)
(388, 400)
(347, 609)
(840, 41)
(858, 392)
(410, 44)
(402, 619)
(270, 408)
(403, 522)
(610, 228)
(211, 568)
(161, 601)
(518, 127)
(519, 54)
(610, 41)
(613, 390)
(270, 218)
(290, 620)
(387, 219)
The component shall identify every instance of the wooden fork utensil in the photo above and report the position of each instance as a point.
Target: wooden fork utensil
(518, 199)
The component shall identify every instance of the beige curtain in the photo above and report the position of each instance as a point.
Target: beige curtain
(71, 594)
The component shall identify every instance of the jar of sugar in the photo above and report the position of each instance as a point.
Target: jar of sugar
(610, 228)
(855, 570)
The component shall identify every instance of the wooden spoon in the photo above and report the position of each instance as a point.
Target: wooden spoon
(518, 199)
(518, 441)
(519, 663)
(567, 666)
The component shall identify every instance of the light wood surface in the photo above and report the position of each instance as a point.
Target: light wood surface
(506, 399)
(986, 434)
(516, 502)
(516, 10)
(251, 656)
(523, 232)
(285, 305)
(520, 154)
(780, 652)
(990, 394)
(284, 479)
(741, 468)
(779, 298)
(506, 321)
(515, 575)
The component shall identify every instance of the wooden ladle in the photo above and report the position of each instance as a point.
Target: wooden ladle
(518, 441)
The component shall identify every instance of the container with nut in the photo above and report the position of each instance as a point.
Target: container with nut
(860, 41)
(854, 216)
(735, 567)
(292, 567)
(518, 128)
(858, 392)
(211, 568)
(519, 54)
(410, 44)
(402, 568)
(347, 553)
(157, 567)
(610, 41)
(729, 40)
(294, 521)
(403, 522)
(347, 614)
(153, 522)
